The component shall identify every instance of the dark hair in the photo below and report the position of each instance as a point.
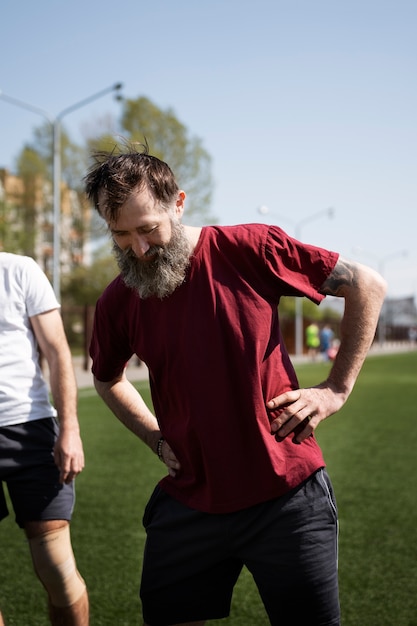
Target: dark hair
(113, 177)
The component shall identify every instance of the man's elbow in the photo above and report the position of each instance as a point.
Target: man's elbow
(104, 387)
(100, 386)
(378, 286)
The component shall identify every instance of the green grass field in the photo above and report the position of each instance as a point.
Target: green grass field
(370, 448)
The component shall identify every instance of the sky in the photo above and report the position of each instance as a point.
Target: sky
(302, 105)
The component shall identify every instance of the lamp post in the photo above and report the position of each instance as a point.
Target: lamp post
(55, 123)
(298, 301)
(381, 262)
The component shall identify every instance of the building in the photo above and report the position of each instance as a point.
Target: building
(398, 319)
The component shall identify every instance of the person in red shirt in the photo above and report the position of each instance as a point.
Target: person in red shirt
(246, 481)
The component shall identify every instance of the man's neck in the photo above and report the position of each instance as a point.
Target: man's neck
(193, 235)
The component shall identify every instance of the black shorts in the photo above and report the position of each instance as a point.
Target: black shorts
(192, 560)
(27, 467)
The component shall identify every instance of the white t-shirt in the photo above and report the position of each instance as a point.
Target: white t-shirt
(25, 291)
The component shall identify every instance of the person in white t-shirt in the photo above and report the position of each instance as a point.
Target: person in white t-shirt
(40, 446)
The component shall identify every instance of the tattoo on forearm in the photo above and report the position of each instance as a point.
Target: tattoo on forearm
(344, 273)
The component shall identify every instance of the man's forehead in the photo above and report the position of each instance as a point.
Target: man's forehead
(139, 202)
(142, 198)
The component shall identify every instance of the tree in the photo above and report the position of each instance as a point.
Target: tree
(21, 197)
(31, 170)
(85, 284)
(73, 157)
(12, 238)
(35, 171)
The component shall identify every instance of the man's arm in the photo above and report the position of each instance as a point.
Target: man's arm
(363, 290)
(128, 406)
(50, 335)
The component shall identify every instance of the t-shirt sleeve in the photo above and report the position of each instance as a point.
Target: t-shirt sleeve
(109, 347)
(301, 267)
(39, 294)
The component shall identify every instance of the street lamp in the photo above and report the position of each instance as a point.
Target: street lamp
(298, 301)
(390, 257)
(55, 123)
(381, 261)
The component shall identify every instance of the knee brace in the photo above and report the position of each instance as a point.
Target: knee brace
(54, 563)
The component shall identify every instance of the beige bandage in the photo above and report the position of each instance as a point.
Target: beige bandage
(54, 563)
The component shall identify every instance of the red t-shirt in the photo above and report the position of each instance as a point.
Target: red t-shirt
(215, 356)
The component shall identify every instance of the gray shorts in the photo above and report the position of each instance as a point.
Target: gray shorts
(192, 560)
(27, 467)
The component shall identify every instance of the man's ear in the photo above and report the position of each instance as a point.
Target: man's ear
(180, 203)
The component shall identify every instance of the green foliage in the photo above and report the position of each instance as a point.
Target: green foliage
(310, 310)
(18, 213)
(31, 165)
(73, 157)
(27, 217)
(12, 237)
(86, 283)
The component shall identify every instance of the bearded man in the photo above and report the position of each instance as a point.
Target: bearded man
(246, 481)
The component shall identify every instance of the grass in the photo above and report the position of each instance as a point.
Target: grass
(370, 448)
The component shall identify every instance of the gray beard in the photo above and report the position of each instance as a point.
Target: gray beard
(164, 273)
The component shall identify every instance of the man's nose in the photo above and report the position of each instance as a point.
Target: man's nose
(139, 245)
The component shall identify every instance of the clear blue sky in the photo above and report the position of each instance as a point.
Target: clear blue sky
(302, 104)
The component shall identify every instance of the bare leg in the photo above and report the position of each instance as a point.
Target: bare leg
(1, 620)
(77, 614)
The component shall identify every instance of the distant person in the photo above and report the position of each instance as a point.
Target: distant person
(326, 339)
(246, 481)
(333, 350)
(40, 447)
(312, 333)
